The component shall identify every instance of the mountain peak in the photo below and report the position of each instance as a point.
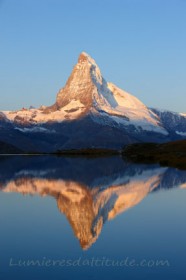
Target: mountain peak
(81, 86)
(84, 57)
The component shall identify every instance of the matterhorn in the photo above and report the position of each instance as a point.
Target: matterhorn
(89, 113)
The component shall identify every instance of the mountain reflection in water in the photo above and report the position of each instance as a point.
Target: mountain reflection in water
(88, 191)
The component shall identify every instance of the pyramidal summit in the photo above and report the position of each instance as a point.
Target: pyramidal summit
(89, 113)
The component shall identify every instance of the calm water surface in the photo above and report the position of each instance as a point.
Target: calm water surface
(96, 218)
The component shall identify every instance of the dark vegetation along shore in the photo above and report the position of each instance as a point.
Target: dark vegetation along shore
(91, 152)
(171, 154)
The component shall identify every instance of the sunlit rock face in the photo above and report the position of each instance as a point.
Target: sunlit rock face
(79, 86)
(89, 192)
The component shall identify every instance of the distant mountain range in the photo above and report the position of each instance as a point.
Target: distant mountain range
(89, 113)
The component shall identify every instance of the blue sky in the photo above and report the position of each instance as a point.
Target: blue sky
(140, 45)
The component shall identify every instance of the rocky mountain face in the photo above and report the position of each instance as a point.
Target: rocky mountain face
(88, 112)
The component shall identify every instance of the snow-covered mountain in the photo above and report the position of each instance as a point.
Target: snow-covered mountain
(86, 91)
(175, 123)
(88, 112)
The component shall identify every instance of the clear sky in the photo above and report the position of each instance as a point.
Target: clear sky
(140, 45)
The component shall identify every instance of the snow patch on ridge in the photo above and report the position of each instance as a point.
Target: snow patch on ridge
(35, 129)
(71, 111)
(181, 133)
